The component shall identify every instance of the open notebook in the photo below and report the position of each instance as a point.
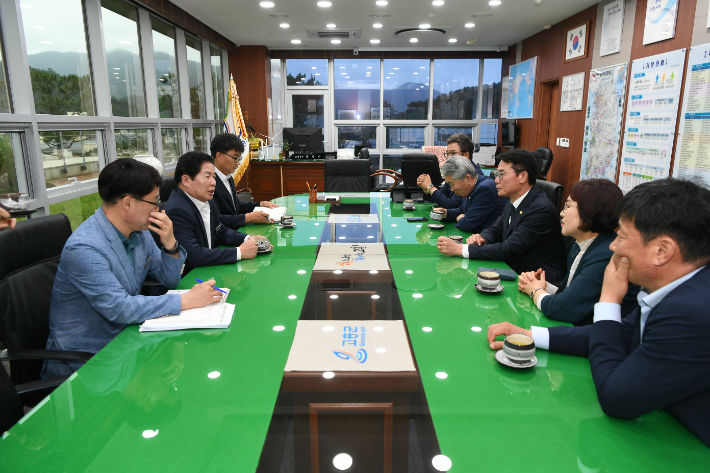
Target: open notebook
(274, 214)
(217, 315)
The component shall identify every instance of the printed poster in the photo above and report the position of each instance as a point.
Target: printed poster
(572, 92)
(612, 28)
(660, 20)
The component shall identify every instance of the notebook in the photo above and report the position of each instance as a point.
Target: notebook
(217, 315)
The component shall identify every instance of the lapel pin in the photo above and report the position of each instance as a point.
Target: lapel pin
(521, 212)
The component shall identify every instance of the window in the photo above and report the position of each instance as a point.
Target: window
(56, 51)
(455, 89)
(70, 156)
(276, 112)
(442, 133)
(491, 88)
(130, 143)
(351, 136)
(307, 72)
(489, 133)
(166, 70)
(201, 139)
(120, 26)
(357, 89)
(404, 137)
(11, 164)
(195, 77)
(217, 82)
(173, 144)
(406, 87)
(4, 93)
(392, 161)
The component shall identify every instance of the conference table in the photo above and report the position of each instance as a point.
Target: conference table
(217, 400)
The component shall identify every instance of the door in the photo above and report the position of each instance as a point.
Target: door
(309, 108)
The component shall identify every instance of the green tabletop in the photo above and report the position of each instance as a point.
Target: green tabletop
(203, 400)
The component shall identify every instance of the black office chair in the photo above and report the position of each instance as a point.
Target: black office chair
(416, 164)
(347, 175)
(11, 410)
(546, 156)
(476, 147)
(166, 188)
(553, 190)
(28, 265)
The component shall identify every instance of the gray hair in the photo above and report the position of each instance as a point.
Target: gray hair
(458, 167)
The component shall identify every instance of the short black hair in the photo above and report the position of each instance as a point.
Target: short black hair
(225, 142)
(677, 208)
(190, 164)
(521, 160)
(127, 176)
(464, 142)
(597, 200)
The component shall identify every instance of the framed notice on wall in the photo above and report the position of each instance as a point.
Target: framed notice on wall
(612, 27)
(572, 92)
(576, 42)
(660, 20)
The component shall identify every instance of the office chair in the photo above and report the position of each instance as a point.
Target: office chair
(553, 191)
(546, 156)
(28, 265)
(11, 410)
(416, 164)
(166, 188)
(476, 147)
(347, 175)
(374, 172)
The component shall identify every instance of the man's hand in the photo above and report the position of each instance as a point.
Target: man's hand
(5, 220)
(267, 204)
(448, 246)
(616, 280)
(460, 217)
(440, 209)
(257, 217)
(475, 240)
(504, 328)
(200, 295)
(164, 230)
(248, 249)
(424, 181)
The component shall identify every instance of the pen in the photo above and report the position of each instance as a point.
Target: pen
(220, 290)
(309, 186)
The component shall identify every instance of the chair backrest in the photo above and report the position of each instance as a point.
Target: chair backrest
(167, 188)
(363, 153)
(476, 147)
(546, 155)
(538, 162)
(11, 410)
(28, 264)
(416, 164)
(347, 175)
(553, 190)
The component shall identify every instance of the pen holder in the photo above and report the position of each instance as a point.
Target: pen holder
(312, 196)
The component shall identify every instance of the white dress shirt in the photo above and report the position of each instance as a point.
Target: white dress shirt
(205, 211)
(464, 247)
(551, 288)
(225, 179)
(612, 311)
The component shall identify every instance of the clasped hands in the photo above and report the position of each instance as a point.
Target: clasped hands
(424, 181)
(531, 280)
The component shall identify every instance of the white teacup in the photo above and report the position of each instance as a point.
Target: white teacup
(488, 279)
(437, 215)
(408, 204)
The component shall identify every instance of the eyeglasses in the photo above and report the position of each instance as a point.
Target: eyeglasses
(236, 159)
(451, 153)
(499, 174)
(567, 206)
(155, 204)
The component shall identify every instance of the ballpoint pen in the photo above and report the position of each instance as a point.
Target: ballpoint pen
(214, 287)
(309, 186)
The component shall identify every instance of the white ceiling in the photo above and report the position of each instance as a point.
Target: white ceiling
(246, 23)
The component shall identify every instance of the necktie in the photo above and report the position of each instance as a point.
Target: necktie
(232, 189)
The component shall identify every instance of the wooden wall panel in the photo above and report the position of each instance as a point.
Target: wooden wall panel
(548, 46)
(250, 67)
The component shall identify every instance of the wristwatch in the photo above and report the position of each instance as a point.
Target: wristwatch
(174, 251)
(429, 188)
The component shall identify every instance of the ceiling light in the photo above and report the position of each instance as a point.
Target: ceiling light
(118, 69)
(342, 461)
(381, 3)
(330, 25)
(494, 3)
(267, 4)
(424, 26)
(415, 73)
(374, 41)
(377, 25)
(369, 67)
(295, 41)
(437, 3)
(316, 74)
(413, 40)
(324, 4)
(452, 40)
(334, 41)
(470, 25)
(284, 25)
(396, 68)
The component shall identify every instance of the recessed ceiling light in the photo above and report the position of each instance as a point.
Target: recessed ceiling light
(437, 3)
(494, 3)
(295, 41)
(374, 41)
(324, 4)
(267, 4)
(377, 25)
(452, 40)
(314, 67)
(347, 77)
(413, 40)
(395, 68)
(424, 26)
(381, 3)
(330, 25)
(284, 25)
(316, 74)
(415, 73)
(369, 67)
(334, 41)
(470, 25)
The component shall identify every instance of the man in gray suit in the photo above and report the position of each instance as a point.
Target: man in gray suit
(104, 263)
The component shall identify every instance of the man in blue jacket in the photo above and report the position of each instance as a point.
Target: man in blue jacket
(197, 220)
(658, 357)
(480, 205)
(104, 263)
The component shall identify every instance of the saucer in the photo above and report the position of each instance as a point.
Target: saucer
(489, 291)
(436, 226)
(283, 226)
(261, 252)
(411, 209)
(504, 360)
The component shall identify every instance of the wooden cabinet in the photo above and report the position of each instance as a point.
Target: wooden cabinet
(271, 179)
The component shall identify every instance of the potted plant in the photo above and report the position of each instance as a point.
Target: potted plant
(286, 146)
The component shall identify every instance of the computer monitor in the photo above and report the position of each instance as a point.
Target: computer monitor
(304, 139)
(509, 134)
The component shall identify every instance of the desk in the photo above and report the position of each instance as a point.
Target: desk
(154, 401)
(272, 179)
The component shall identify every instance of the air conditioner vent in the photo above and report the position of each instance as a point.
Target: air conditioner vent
(350, 33)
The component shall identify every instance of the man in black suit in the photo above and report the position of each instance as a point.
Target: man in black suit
(196, 220)
(528, 233)
(227, 149)
(658, 357)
